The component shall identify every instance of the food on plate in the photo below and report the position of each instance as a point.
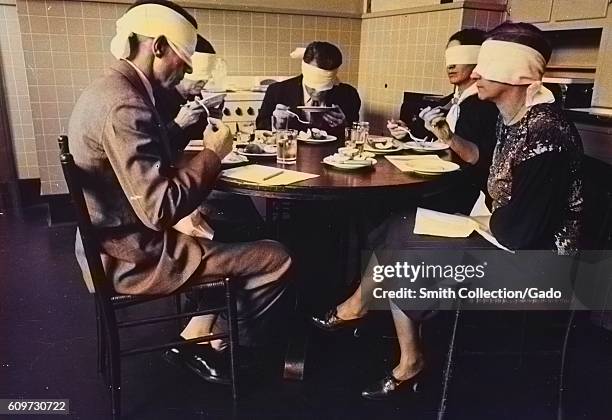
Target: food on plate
(265, 136)
(317, 134)
(356, 158)
(257, 148)
(348, 151)
(313, 134)
(253, 148)
(387, 143)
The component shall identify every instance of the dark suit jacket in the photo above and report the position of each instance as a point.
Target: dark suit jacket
(291, 93)
(132, 193)
(168, 103)
(476, 123)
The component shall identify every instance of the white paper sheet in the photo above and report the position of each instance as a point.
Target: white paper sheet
(435, 223)
(257, 174)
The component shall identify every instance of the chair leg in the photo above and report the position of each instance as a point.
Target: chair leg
(101, 334)
(448, 366)
(568, 329)
(232, 318)
(115, 382)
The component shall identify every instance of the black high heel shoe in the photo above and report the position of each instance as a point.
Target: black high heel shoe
(389, 387)
(330, 322)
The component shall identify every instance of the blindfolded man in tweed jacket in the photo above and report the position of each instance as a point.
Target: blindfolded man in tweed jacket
(133, 194)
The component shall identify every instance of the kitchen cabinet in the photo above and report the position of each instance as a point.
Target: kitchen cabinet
(545, 11)
(597, 141)
(532, 11)
(564, 10)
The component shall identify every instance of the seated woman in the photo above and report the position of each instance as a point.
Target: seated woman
(469, 126)
(535, 182)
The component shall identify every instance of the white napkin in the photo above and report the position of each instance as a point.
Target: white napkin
(195, 225)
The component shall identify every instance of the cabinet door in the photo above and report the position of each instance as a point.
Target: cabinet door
(579, 9)
(533, 11)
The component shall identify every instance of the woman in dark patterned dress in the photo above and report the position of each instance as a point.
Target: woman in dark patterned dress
(535, 180)
(535, 183)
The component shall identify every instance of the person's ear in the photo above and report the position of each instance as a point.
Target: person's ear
(160, 46)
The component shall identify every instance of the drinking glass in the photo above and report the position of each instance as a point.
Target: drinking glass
(286, 146)
(348, 138)
(361, 135)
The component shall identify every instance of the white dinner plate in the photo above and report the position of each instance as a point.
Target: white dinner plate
(431, 166)
(309, 140)
(348, 166)
(397, 146)
(426, 146)
(316, 108)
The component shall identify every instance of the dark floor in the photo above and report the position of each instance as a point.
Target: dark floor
(507, 366)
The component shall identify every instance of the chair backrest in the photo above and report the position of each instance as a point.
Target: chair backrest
(102, 287)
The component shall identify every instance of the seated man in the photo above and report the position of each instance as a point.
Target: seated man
(318, 85)
(228, 217)
(185, 118)
(135, 196)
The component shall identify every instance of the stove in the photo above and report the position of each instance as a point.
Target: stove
(244, 97)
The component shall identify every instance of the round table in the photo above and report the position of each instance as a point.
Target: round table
(332, 183)
(372, 184)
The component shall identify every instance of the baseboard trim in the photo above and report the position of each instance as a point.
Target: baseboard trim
(61, 210)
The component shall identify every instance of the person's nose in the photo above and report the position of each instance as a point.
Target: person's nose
(475, 76)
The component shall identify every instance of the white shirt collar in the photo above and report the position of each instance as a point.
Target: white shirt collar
(471, 90)
(145, 81)
(307, 96)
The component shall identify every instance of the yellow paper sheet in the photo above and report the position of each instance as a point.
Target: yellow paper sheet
(401, 162)
(257, 174)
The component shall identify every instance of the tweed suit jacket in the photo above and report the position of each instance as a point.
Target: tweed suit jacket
(134, 196)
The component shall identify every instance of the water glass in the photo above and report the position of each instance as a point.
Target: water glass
(286, 146)
(348, 138)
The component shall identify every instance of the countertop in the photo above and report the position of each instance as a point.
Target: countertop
(594, 115)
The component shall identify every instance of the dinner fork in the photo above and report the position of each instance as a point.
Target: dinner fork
(418, 140)
(203, 105)
(298, 118)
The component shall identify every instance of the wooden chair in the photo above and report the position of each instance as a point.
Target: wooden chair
(108, 301)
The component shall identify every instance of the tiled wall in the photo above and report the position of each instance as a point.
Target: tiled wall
(66, 45)
(260, 43)
(406, 53)
(16, 89)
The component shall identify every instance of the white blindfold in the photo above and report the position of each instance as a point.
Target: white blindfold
(319, 79)
(514, 64)
(202, 66)
(154, 20)
(462, 54)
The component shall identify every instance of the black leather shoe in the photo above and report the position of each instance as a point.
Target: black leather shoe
(388, 387)
(331, 322)
(203, 360)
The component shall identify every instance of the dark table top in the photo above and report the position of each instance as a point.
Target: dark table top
(335, 184)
